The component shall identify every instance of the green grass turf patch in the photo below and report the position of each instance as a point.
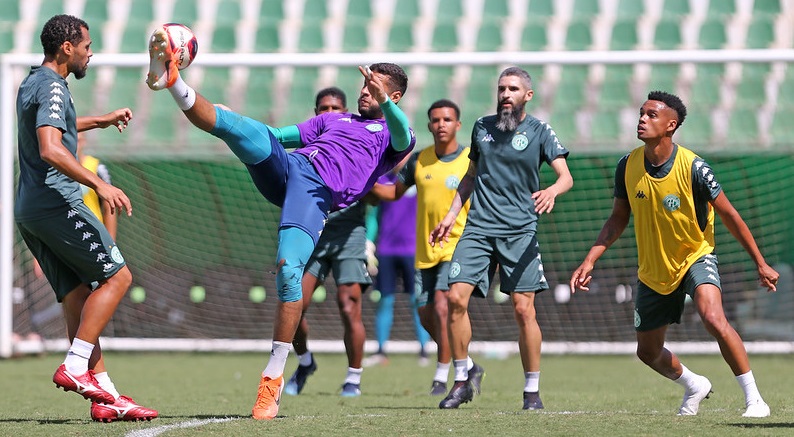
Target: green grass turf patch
(583, 395)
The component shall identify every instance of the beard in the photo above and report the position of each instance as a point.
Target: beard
(507, 119)
(370, 113)
(79, 73)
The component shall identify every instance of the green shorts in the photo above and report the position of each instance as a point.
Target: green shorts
(429, 280)
(518, 257)
(653, 310)
(344, 255)
(73, 247)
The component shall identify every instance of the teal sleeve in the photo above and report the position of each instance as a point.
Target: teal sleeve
(371, 222)
(397, 122)
(288, 136)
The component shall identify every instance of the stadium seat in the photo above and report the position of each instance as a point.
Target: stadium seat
(496, 9)
(228, 12)
(751, 91)
(624, 34)
(95, 13)
(579, 36)
(311, 36)
(540, 10)
(224, 38)
(696, 133)
(563, 122)
(185, 12)
(480, 97)
(258, 102)
(722, 8)
(301, 96)
(570, 94)
(706, 86)
(615, 89)
(743, 127)
(604, 129)
(267, 36)
(771, 7)
(629, 10)
(489, 38)
(780, 132)
(161, 125)
(585, 9)
(445, 36)
(761, 33)
(136, 34)
(356, 38)
(675, 9)
(663, 77)
(401, 37)
(533, 37)
(668, 34)
(712, 33)
(436, 87)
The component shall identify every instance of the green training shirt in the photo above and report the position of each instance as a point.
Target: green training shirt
(44, 100)
(508, 167)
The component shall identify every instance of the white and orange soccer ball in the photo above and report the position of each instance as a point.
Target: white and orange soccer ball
(183, 42)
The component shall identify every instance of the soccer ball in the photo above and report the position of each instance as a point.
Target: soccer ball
(183, 43)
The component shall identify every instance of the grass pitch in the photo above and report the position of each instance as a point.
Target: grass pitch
(212, 394)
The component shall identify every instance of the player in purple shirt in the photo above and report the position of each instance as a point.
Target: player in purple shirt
(396, 246)
(341, 157)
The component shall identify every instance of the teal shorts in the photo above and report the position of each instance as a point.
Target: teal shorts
(518, 257)
(73, 247)
(344, 256)
(429, 280)
(653, 310)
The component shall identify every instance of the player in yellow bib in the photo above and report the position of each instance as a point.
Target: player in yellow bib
(673, 195)
(436, 172)
(99, 207)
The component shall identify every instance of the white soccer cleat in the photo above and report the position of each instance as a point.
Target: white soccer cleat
(692, 398)
(757, 408)
(163, 68)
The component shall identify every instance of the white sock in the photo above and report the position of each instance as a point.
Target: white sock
(305, 359)
(687, 378)
(531, 382)
(461, 370)
(104, 381)
(77, 357)
(747, 383)
(184, 95)
(469, 363)
(442, 372)
(354, 375)
(278, 360)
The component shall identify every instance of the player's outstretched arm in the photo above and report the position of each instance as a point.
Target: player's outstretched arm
(396, 120)
(119, 118)
(52, 151)
(767, 276)
(544, 199)
(441, 232)
(612, 229)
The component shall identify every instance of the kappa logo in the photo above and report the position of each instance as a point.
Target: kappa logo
(101, 256)
(55, 107)
(92, 247)
(56, 99)
(55, 116)
(71, 213)
(87, 235)
(79, 224)
(487, 138)
(347, 119)
(428, 177)
(56, 91)
(641, 195)
(107, 267)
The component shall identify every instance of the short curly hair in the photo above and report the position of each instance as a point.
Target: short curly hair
(398, 80)
(672, 101)
(59, 29)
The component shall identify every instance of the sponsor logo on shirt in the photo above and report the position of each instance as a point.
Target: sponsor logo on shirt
(115, 254)
(374, 127)
(641, 195)
(487, 138)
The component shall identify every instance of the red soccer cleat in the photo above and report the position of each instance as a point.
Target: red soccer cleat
(85, 385)
(123, 409)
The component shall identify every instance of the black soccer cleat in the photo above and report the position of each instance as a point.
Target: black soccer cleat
(439, 388)
(298, 380)
(476, 375)
(460, 394)
(532, 401)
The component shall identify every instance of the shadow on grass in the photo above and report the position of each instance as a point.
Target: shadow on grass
(774, 425)
(84, 421)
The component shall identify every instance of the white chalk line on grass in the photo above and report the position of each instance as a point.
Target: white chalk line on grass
(152, 432)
